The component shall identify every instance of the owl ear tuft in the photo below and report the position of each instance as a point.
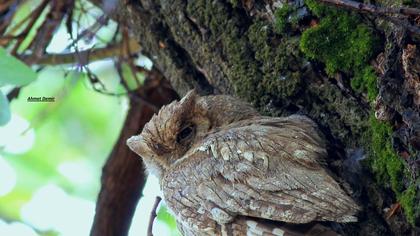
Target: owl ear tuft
(189, 99)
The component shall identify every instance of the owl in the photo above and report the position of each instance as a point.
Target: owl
(222, 167)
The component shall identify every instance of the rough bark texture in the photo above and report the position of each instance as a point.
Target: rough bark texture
(230, 47)
(123, 175)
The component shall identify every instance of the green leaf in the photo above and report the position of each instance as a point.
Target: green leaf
(14, 71)
(4, 109)
(166, 217)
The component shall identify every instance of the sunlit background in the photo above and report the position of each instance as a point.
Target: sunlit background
(51, 154)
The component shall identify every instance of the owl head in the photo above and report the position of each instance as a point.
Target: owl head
(172, 132)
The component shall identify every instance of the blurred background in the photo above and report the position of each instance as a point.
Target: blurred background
(51, 153)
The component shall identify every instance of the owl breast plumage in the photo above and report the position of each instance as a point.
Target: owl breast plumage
(254, 166)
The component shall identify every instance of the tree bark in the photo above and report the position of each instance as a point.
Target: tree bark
(123, 175)
(219, 47)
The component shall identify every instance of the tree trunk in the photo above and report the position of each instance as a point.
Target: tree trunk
(230, 47)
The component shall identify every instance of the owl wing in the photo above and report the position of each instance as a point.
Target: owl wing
(271, 168)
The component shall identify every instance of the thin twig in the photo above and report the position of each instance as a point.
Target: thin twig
(34, 18)
(92, 30)
(5, 5)
(14, 93)
(153, 215)
(84, 56)
(132, 93)
(402, 23)
(389, 13)
(45, 32)
(379, 10)
(7, 11)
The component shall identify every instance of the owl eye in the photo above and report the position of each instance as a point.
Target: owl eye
(185, 134)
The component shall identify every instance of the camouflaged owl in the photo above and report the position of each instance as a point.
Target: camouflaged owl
(222, 167)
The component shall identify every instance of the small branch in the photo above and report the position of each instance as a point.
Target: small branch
(33, 19)
(86, 55)
(90, 31)
(373, 8)
(403, 23)
(13, 94)
(7, 11)
(6, 4)
(45, 32)
(385, 12)
(132, 94)
(153, 215)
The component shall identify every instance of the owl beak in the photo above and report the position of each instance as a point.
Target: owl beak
(135, 144)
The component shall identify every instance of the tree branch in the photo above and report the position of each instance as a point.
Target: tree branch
(86, 56)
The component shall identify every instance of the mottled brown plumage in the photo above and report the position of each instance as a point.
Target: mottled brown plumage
(220, 162)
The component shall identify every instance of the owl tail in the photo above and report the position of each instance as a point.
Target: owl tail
(246, 226)
(256, 227)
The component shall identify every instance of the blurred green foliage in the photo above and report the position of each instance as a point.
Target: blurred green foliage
(13, 71)
(4, 109)
(166, 217)
(73, 128)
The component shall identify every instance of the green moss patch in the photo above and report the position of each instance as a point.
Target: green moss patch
(343, 43)
(282, 23)
(318, 9)
(410, 204)
(365, 81)
(390, 170)
(340, 41)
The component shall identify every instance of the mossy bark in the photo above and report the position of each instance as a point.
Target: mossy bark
(232, 48)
